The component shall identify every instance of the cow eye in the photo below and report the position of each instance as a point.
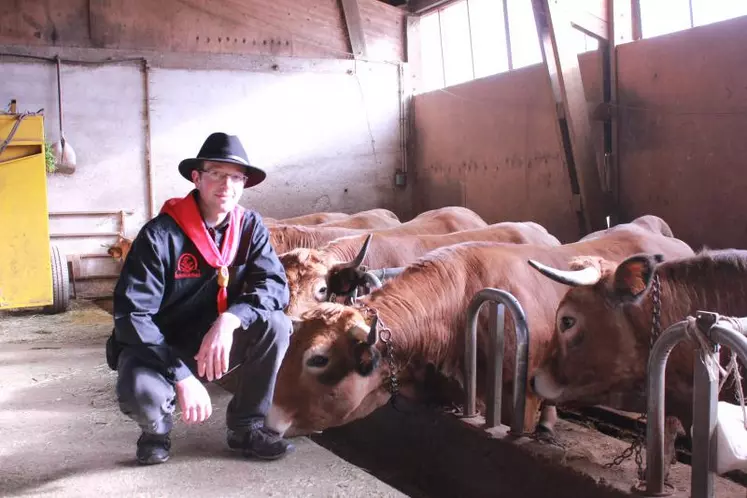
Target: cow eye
(566, 323)
(317, 361)
(321, 293)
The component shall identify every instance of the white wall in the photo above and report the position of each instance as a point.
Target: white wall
(326, 132)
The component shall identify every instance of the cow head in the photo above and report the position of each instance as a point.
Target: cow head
(331, 373)
(600, 346)
(313, 277)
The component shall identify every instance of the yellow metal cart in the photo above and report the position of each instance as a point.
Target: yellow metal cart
(33, 272)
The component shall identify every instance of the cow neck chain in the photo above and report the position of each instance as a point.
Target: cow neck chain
(639, 440)
(385, 334)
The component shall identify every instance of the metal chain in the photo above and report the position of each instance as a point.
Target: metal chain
(385, 334)
(639, 438)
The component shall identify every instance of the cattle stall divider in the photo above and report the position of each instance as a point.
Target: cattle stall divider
(500, 300)
(718, 330)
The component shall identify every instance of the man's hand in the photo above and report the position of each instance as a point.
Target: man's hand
(194, 400)
(215, 350)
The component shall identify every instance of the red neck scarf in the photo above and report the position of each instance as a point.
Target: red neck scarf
(187, 215)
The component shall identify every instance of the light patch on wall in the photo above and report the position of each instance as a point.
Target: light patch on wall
(283, 120)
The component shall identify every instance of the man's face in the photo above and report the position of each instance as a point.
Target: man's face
(220, 185)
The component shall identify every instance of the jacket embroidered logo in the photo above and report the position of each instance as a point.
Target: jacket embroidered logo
(187, 267)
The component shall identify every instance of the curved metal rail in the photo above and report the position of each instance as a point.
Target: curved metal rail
(705, 400)
(500, 299)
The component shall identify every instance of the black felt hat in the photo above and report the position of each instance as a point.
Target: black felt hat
(223, 148)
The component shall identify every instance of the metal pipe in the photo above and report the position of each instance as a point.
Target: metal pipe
(705, 404)
(372, 280)
(83, 234)
(148, 158)
(89, 213)
(657, 362)
(719, 331)
(496, 323)
(386, 273)
(522, 354)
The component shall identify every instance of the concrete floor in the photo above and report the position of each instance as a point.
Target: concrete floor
(61, 433)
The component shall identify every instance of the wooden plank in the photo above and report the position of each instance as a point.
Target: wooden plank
(561, 60)
(420, 6)
(414, 55)
(352, 15)
(297, 28)
(589, 16)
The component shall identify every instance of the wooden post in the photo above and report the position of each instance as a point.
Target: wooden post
(352, 15)
(554, 31)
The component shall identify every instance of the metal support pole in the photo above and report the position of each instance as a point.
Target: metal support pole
(386, 273)
(657, 363)
(497, 327)
(705, 402)
(522, 354)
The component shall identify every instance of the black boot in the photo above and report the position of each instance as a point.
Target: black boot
(259, 442)
(153, 448)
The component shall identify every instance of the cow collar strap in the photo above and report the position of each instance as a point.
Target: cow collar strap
(187, 215)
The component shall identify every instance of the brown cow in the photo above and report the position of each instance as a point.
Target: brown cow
(309, 270)
(648, 221)
(604, 326)
(312, 219)
(330, 374)
(442, 220)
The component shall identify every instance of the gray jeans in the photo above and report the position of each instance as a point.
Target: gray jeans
(147, 397)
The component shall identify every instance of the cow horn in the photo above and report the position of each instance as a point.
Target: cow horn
(361, 255)
(588, 276)
(373, 332)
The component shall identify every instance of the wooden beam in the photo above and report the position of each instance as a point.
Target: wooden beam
(589, 16)
(420, 6)
(352, 15)
(621, 29)
(414, 54)
(558, 51)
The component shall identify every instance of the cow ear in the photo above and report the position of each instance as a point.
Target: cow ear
(366, 358)
(633, 276)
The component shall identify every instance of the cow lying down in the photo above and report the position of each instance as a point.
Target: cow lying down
(334, 373)
(313, 274)
(604, 327)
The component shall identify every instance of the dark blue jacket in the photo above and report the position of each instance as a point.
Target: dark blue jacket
(166, 294)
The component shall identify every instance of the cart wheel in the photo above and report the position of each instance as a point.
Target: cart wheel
(60, 283)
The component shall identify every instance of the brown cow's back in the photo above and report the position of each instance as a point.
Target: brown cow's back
(285, 238)
(393, 250)
(313, 219)
(648, 222)
(371, 219)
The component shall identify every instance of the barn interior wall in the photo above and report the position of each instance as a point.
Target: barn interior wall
(684, 122)
(327, 129)
(491, 144)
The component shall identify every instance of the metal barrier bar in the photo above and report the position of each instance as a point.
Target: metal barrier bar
(386, 273)
(372, 280)
(495, 368)
(705, 400)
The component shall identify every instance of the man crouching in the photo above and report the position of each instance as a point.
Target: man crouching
(202, 291)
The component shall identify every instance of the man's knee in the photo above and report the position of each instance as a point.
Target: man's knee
(280, 326)
(143, 393)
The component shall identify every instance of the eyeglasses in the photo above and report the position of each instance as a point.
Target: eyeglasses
(219, 176)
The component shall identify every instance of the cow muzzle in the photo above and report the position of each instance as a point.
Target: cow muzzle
(544, 384)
